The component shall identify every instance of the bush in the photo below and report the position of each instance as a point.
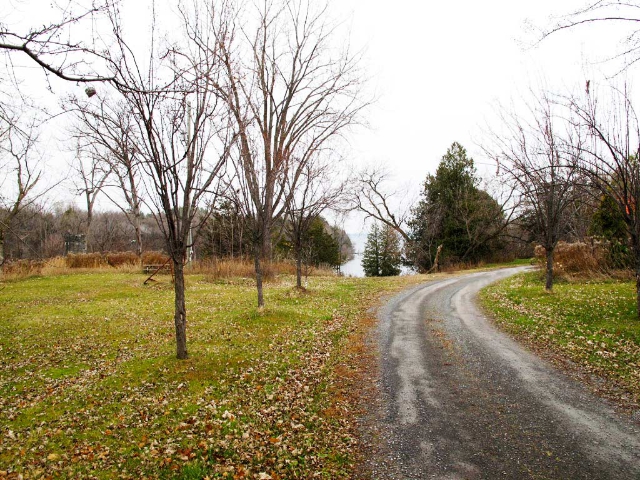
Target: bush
(595, 256)
(154, 258)
(85, 260)
(118, 259)
(22, 268)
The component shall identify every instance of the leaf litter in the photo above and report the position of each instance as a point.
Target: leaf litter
(93, 391)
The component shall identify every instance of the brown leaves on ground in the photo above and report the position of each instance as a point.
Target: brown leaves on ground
(89, 387)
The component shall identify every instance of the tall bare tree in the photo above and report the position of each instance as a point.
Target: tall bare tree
(612, 158)
(20, 172)
(373, 196)
(90, 176)
(289, 92)
(105, 129)
(183, 139)
(181, 133)
(538, 153)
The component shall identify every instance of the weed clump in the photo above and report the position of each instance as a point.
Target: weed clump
(592, 259)
(22, 269)
(215, 269)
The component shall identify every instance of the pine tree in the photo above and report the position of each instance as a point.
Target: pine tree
(371, 254)
(456, 213)
(382, 253)
(391, 252)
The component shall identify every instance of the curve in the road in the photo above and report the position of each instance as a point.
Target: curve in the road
(465, 401)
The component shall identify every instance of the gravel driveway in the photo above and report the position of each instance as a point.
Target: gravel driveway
(461, 400)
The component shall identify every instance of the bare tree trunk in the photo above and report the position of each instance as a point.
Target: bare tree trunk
(266, 243)
(636, 252)
(1, 249)
(549, 273)
(258, 266)
(180, 317)
(88, 239)
(138, 236)
(298, 266)
(436, 262)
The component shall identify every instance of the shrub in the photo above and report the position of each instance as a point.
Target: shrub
(595, 256)
(154, 258)
(118, 259)
(22, 268)
(85, 260)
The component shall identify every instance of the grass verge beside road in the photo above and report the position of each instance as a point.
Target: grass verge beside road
(90, 388)
(592, 324)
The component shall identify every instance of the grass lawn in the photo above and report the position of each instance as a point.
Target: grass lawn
(592, 323)
(90, 388)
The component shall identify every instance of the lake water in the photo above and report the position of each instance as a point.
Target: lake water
(353, 268)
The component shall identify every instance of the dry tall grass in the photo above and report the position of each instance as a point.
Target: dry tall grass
(225, 268)
(153, 257)
(127, 262)
(22, 269)
(575, 257)
(102, 260)
(581, 259)
(74, 263)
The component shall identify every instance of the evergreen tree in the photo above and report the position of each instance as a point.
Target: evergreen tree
(371, 254)
(608, 221)
(391, 252)
(322, 247)
(382, 252)
(455, 213)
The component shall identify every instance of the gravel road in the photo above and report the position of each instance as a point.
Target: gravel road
(461, 400)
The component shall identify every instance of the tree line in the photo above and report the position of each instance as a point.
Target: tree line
(40, 233)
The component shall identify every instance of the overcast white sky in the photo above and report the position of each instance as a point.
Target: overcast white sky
(439, 70)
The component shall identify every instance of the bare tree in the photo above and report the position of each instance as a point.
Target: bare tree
(20, 172)
(289, 92)
(611, 159)
(539, 155)
(106, 131)
(181, 136)
(90, 176)
(346, 250)
(60, 48)
(318, 189)
(372, 196)
(177, 119)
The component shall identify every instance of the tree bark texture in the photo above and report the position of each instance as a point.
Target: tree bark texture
(138, 237)
(548, 286)
(299, 270)
(1, 249)
(258, 267)
(180, 316)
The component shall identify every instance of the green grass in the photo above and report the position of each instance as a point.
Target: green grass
(592, 323)
(89, 383)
